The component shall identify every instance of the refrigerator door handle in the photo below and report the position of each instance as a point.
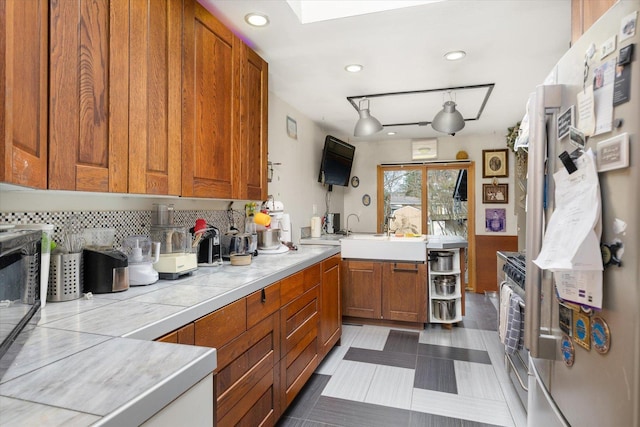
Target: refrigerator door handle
(550, 402)
(545, 98)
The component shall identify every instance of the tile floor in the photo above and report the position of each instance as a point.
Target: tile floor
(381, 376)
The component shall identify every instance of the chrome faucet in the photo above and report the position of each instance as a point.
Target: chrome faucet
(349, 216)
(389, 219)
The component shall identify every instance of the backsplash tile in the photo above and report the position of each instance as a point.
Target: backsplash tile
(126, 223)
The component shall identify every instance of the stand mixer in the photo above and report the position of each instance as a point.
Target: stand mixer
(141, 258)
(279, 219)
(176, 256)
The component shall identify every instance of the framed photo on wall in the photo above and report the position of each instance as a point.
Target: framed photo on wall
(495, 220)
(495, 163)
(495, 193)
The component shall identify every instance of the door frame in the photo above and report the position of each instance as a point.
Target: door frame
(471, 204)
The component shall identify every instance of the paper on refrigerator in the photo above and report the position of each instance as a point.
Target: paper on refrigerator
(571, 242)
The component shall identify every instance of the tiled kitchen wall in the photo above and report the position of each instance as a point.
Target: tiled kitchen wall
(126, 223)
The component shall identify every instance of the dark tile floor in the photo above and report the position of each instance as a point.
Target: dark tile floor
(385, 377)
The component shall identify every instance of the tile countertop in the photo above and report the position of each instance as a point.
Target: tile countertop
(433, 241)
(92, 361)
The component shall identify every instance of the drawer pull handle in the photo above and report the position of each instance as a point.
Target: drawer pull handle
(263, 296)
(406, 270)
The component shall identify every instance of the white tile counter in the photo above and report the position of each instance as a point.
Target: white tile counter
(92, 361)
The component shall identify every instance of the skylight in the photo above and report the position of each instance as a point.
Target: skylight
(309, 11)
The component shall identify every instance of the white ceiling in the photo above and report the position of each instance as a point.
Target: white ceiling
(512, 43)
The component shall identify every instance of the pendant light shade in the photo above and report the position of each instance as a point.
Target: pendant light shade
(367, 124)
(449, 120)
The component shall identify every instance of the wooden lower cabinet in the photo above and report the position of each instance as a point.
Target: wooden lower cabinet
(404, 292)
(299, 342)
(384, 290)
(362, 289)
(330, 306)
(246, 384)
(268, 343)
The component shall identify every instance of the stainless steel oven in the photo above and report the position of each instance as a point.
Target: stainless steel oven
(517, 363)
(19, 283)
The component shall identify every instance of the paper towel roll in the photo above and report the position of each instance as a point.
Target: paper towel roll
(315, 226)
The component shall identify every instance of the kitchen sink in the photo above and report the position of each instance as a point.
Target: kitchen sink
(383, 247)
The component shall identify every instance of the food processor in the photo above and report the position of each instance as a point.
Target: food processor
(176, 256)
(142, 253)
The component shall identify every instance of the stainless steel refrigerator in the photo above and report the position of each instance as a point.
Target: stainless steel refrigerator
(599, 388)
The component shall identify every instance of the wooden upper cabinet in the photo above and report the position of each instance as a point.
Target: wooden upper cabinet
(253, 126)
(224, 123)
(211, 77)
(584, 13)
(23, 92)
(88, 105)
(114, 112)
(155, 105)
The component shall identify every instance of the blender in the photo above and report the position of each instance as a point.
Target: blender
(176, 256)
(142, 254)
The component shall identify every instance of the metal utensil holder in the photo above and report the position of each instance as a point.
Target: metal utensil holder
(31, 272)
(65, 277)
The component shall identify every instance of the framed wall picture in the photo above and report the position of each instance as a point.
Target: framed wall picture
(495, 163)
(495, 193)
(495, 220)
(292, 128)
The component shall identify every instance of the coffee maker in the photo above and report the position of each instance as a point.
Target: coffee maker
(209, 248)
(105, 271)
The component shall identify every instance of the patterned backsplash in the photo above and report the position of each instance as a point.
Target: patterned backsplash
(126, 223)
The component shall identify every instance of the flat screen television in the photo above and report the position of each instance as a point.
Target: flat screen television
(337, 159)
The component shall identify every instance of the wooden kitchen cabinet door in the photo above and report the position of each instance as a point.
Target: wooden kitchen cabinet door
(115, 96)
(155, 97)
(24, 55)
(88, 105)
(330, 308)
(362, 289)
(211, 78)
(253, 126)
(404, 292)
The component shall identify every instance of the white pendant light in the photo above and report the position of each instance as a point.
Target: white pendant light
(367, 124)
(449, 120)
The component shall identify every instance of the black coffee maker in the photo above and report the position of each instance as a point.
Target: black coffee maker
(105, 271)
(209, 248)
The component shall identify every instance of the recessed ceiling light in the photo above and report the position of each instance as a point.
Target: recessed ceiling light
(257, 19)
(455, 55)
(391, 133)
(354, 68)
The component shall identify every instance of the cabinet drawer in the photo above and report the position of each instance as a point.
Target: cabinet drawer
(246, 372)
(184, 335)
(263, 303)
(291, 287)
(312, 276)
(298, 283)
(330, 263)
(298, 318)
(221, 326)
(296, 372)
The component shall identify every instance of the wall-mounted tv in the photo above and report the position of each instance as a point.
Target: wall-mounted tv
(337, 159)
